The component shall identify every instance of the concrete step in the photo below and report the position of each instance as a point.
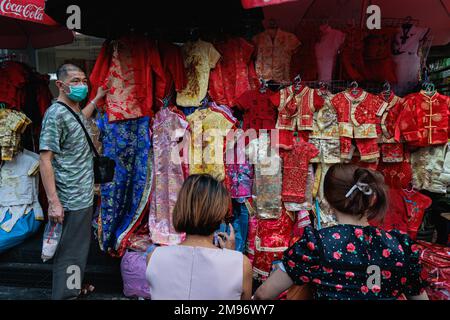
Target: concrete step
(21, 267)
(18, 293)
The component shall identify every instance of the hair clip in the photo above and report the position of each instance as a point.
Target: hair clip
(363, 187)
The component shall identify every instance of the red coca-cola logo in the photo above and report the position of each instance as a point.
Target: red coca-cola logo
(28, 11)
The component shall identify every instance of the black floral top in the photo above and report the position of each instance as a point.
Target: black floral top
(349, 262)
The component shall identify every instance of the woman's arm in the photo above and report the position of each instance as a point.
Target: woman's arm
(247, 280)
(277, 283)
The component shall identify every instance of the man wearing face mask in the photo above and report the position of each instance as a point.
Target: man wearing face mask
(66, 166)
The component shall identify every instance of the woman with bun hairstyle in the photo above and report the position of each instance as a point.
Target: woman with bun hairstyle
(352, 260)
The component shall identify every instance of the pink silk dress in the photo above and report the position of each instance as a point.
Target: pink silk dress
(168, 128)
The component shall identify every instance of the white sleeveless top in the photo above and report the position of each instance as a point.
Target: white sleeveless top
(195, 273)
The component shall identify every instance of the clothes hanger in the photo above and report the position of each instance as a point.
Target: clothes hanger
(428, 87)
(408, 23)
(194, 33)
(406, 28)
(355, 86)
(410, 188)
(297, 83)
(324, 89)
(272, 24)
(386, 90)
(263, 87)
(205, 103)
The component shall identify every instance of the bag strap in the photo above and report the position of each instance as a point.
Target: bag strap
(91, 144)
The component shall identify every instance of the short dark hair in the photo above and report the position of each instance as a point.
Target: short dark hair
(63, 70)
(203, 203)
(340, 178)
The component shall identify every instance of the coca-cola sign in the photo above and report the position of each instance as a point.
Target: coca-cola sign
(32, 10)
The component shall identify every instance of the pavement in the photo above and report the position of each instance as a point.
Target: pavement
(18, 293)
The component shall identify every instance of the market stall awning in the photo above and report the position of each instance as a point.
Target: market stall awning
(24, 23)
(434, 14)
(106, 19)
(248, 4)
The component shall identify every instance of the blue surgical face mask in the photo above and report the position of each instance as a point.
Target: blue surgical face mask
(78, 93)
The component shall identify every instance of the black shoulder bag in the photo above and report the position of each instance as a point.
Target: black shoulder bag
(104, 167)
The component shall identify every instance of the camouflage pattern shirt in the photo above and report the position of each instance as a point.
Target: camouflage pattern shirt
(73, 158)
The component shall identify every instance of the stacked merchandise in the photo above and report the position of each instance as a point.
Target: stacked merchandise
(170, 108)
(24, 97)
(20, 211)
(12, 126)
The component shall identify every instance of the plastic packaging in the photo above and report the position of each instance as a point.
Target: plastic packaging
(52, 234)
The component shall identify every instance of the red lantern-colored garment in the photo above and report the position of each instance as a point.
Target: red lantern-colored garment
(424, 120)
(230, 78)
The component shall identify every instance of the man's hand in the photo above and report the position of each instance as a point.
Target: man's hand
(227, 241)
(88, 111)
(56, 212)
(101, 92)
(55, 209)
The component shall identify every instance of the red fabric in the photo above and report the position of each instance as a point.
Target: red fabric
(416, 204)
(296, 107)
(424, 120)
(396, 216)
(287, 137)
(230, 78)
(304, 61)
(391, 151)
(272, 239)
(390, 116)
(250, 246)
(363, 112)
(259, 112)
(405, 212)
(174, 72)
(253, 77)
(295, 171)
(100, 72)
(368, 148)
(396, 175)
(134, 63)
(378, 60)
(248, 4)
(44, 96)
(13, 77)
(435, 260)
(367, 165)
(352, 57)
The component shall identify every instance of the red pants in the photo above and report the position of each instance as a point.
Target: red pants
(273, 237)
(392, 152)
(368, 148)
